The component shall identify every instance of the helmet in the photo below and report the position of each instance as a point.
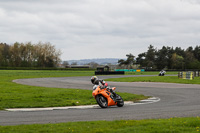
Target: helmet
(93, 79)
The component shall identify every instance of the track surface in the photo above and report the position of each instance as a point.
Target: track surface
(177, 100)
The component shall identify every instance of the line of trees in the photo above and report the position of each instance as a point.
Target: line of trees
(166, 58)
(29, 55)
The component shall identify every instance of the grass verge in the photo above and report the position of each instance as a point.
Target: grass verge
(14, 95)
(171, 125)
(166, 79)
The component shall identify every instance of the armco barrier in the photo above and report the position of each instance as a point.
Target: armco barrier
(186, 75)
(196, 73)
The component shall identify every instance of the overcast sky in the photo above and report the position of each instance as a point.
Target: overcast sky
(85, 29)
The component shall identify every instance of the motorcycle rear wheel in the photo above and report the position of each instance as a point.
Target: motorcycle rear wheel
(102, 101)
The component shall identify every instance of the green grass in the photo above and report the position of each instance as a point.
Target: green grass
(14, 95)
(171, 125)
(166, 79)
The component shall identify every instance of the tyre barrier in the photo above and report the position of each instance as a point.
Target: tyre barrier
(109, 73)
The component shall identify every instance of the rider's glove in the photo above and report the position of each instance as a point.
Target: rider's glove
(103, 87)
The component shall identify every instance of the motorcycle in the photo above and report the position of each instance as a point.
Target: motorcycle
(106, 98)
(162, 73)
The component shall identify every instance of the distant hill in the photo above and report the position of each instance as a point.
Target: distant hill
(100, 61)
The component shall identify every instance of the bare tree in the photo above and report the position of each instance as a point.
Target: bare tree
(47, 55)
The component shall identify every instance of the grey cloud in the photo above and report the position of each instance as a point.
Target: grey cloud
(116, 26)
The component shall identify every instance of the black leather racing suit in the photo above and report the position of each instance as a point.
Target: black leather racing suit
(102, 85)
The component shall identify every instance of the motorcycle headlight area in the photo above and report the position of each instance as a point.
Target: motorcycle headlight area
(94, 87)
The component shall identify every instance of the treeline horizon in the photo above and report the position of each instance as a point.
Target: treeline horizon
(46, 55)
(170, 58)
(29, 55)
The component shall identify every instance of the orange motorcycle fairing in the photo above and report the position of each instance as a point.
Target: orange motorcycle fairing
(105, 93)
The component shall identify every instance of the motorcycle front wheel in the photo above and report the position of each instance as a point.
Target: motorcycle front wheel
(120, 101)
(102, 101)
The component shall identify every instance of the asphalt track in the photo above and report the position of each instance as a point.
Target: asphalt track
(176, 100)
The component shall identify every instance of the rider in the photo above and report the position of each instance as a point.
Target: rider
(101, 83)
(96, 81)
(162, 72)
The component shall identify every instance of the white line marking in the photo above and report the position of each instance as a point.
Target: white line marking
(146, 101)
